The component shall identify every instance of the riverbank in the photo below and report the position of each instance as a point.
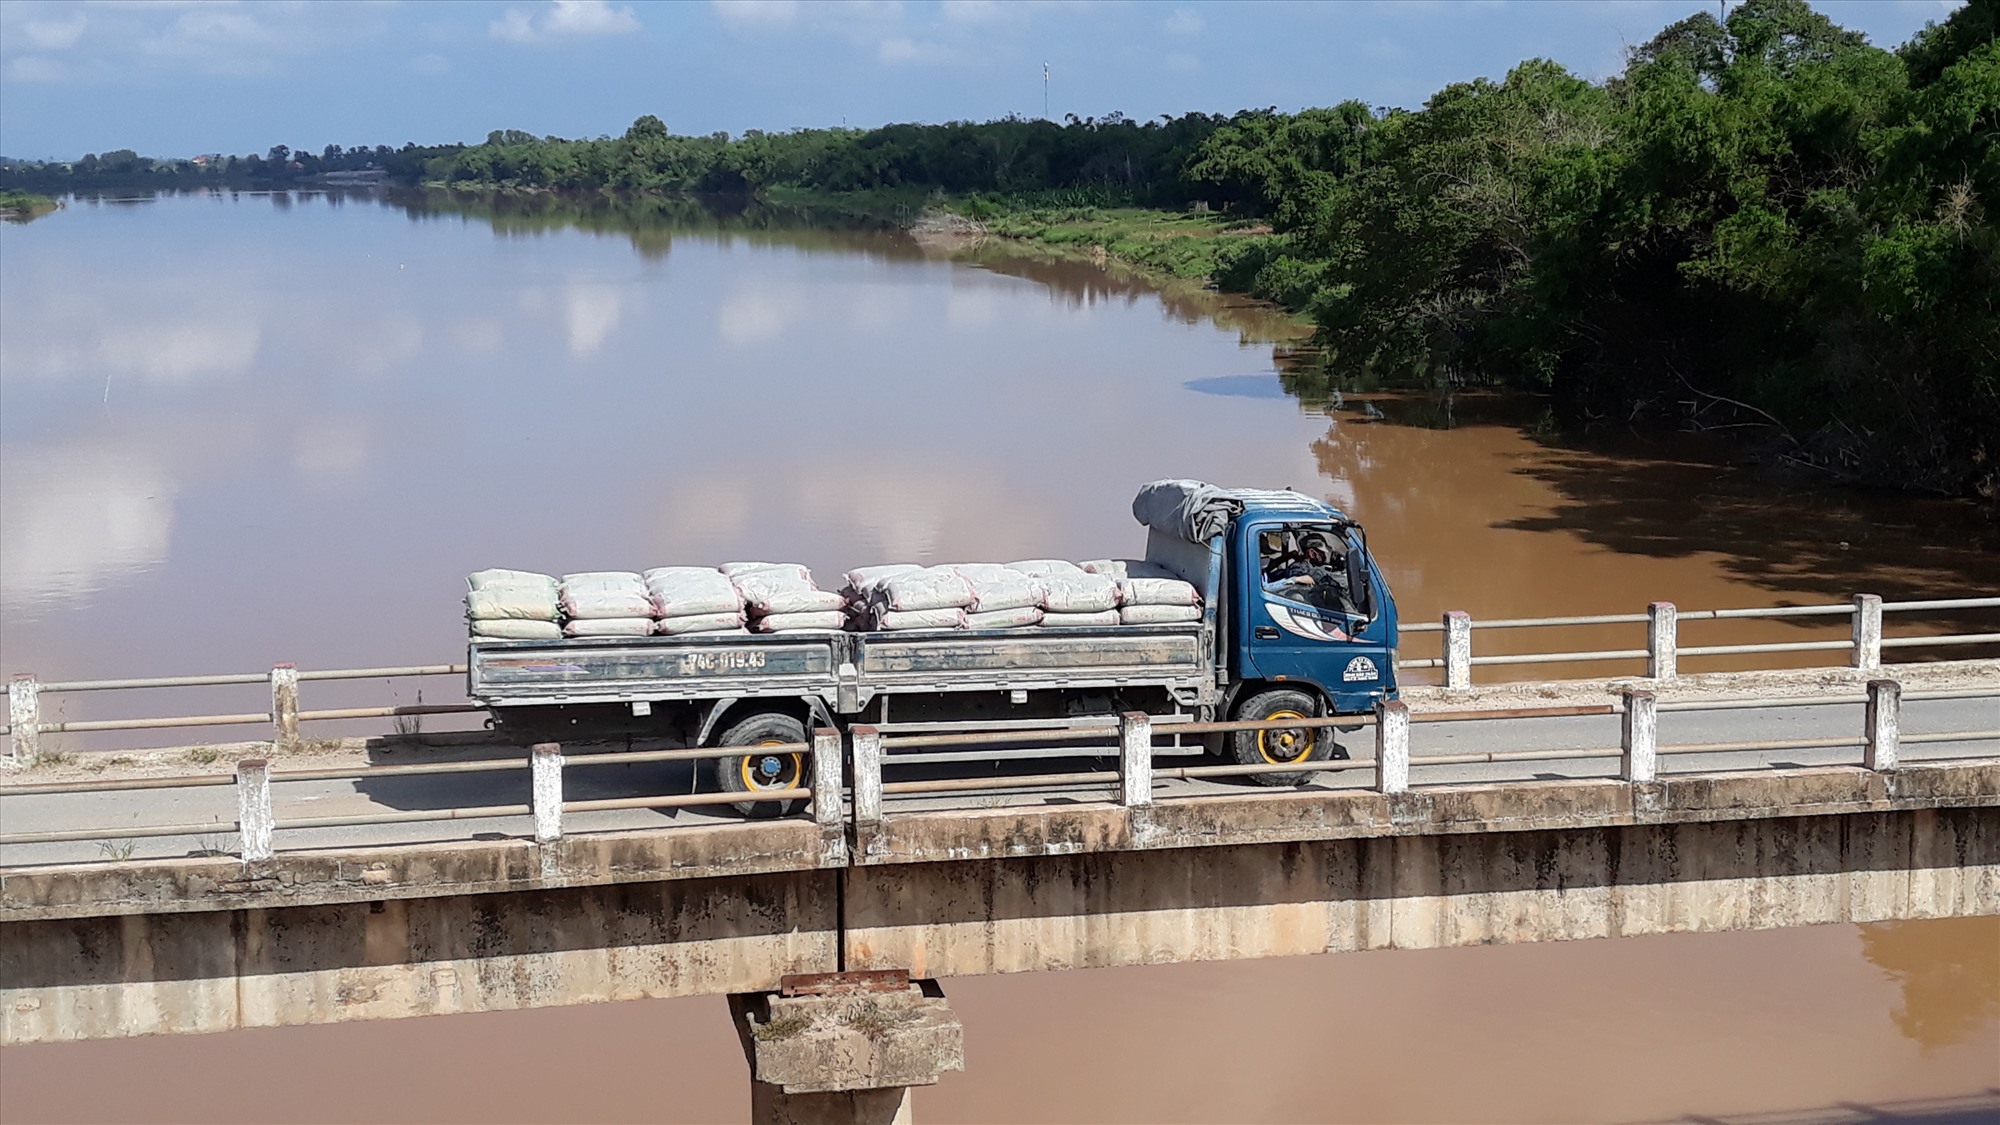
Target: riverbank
(21, 206)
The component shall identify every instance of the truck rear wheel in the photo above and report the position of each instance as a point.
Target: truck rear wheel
(1281, 746)
(769, 770)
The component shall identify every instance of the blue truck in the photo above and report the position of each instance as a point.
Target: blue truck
(1297, 622)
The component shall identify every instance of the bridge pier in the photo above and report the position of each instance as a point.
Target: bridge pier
(844, 1048)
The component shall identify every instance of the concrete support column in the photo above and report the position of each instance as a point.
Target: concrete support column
(1885, 724)
(1458, 649)
(1135, 759)
(545, 765)
(846, 1048)
(1867, 654)
(1640, 736)
(826, 763)
(867, 774)
(254, 824)
(284, 706)
(1663, 642)
(24, 719)
(1392, 746)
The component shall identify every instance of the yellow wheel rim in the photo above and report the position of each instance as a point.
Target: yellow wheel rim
(1283, 747)
(786, 772)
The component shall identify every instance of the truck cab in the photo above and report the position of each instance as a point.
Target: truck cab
(1308, 606)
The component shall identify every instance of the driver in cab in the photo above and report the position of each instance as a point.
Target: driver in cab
(1313, 569)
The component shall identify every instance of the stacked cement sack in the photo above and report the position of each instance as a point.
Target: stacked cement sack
(693, 599)
(782, 598)
(1071, 596)
(606, 603)
(900, 597)
(512, 605)
(1148, 594)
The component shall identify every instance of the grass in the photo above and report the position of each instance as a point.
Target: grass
(784, 1027)
(20, 206)
(117, 851)
(204, 755)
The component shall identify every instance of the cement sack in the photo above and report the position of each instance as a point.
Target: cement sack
(1004, 618)
(732, 569)
(899, 619)
(604, 595)
(1157, 591)
(800, 622)
(690, 591)
(512, 629)
(1158, 614)
(785, 590)
(862, 577)
(1071, 620)
(996, 587)
(1079, 593)
(1121, 569)
(479, 580)
(1042, 568)
(698, 623)
(502, 602)
(608, 627)
(933, 587)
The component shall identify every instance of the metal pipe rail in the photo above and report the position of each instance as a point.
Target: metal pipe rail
(1662, 651)
(25, 726)
(1880, 739)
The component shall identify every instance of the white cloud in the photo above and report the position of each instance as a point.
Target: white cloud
(33, 68)
(54, 35)
(564, 19)
(973, 11)
(1184, 21)
(757, 13)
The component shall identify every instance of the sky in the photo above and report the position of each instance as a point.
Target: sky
(181, 77)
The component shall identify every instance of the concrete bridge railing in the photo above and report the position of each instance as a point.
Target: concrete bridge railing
(847, 787)
(1662, 654)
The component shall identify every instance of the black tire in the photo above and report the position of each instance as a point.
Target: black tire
(1281, 746)
(750, 773)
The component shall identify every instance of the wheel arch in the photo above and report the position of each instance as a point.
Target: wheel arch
(729, 710)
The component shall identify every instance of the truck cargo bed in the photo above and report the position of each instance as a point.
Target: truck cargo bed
(846, 670)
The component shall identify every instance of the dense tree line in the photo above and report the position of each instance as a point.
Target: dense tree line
(282, 165)
(1762, 220)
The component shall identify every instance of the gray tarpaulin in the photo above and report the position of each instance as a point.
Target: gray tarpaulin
(1186, 509)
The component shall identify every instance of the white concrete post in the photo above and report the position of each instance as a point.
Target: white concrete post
(1458, 649)
(253, 808)
(1867, 632)
(826, 778)
(1885, 724)
(285, 704)
(545, 763)
(1135, 759)
(1663, 641)
(867, 774)
(1392, 746)
(1639, 739)
(24, 719)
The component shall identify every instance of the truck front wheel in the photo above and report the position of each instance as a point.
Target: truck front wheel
(1281, 745)
(764, 770)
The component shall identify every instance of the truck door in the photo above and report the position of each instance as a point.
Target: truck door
(1317, 611)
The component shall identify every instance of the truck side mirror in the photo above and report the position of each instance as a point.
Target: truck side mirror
(1358, 587)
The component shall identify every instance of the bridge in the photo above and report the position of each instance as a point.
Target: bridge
(480, 877)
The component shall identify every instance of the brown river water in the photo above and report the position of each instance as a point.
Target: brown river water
(240, 430)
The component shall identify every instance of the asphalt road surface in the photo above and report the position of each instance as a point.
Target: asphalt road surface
(295, 800)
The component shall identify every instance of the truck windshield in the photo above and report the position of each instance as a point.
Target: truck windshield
(1311, 563)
